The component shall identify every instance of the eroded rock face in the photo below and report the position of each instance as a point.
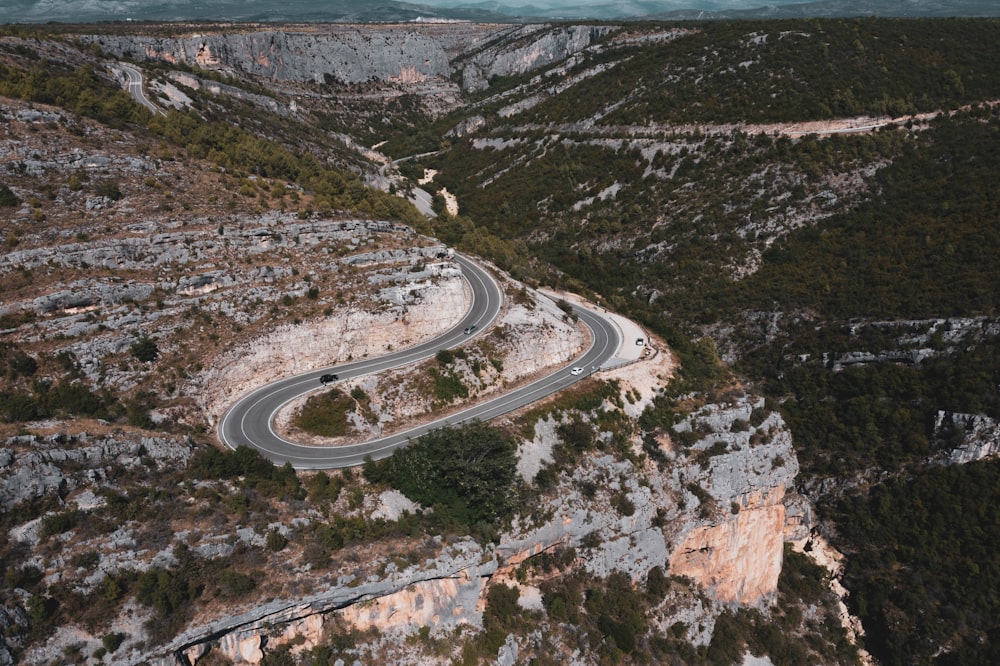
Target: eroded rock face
(721, 509)
(444, 590)
(359, 54)
(440, 603)
(348, 333)
(979, 436)
(345, 55)
(526, 49)
(739, 559)
(738, 473)
(33, 466)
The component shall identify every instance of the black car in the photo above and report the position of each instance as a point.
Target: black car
(326, 379)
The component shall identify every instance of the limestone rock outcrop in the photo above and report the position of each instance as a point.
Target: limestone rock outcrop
(714, 513)
(526, 49)
(359, 54)
(32, 466)
(445, 590)
(739, 559)
(344, 54)
(979, 436)
(740, 474)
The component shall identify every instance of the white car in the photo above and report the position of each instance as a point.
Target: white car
(576, 370)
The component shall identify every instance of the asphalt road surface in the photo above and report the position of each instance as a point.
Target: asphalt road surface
(133, 84)
(249, 421)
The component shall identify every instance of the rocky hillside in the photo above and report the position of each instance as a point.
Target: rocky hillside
(164, 307)
(147, 289)
(777, 207)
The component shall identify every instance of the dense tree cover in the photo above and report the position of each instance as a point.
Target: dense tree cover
(924, 247)
(465, 472)
(611, 616)
(776, 71)
(926, 572)
(81, 91)
(880, 415)
(918, 242)
(596, 211)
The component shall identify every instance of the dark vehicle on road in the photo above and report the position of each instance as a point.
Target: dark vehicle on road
(326, 379)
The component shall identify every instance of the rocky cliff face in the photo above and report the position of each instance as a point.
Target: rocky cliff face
(359, 54)
(526, 49)
(429, 309)
(343, 55)
(713, 511)
(443, 591)
(721, 511)
(717, 519)
(978, 436)
(738, 559)
(739, 473)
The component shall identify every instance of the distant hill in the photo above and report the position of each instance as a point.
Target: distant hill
(844, 8)
(340, 11)
(360, 11)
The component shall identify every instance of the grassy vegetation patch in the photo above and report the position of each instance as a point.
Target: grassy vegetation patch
(448, 386)
(325, 414)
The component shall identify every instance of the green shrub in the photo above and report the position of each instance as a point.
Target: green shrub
(7, 197)
(276, 541)
(21, 365)
(235, 584)
(257, 471)
(112, 641)
(619, 612)
(448, 387)
(145, 349)
(109, 189)
(86, 560)
(322, 488)
(58, 523)
(501, 616)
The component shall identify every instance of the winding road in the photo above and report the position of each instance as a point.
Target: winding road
(250, 421)
(133, 84)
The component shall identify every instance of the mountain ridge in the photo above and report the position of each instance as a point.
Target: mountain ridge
(360, 11)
